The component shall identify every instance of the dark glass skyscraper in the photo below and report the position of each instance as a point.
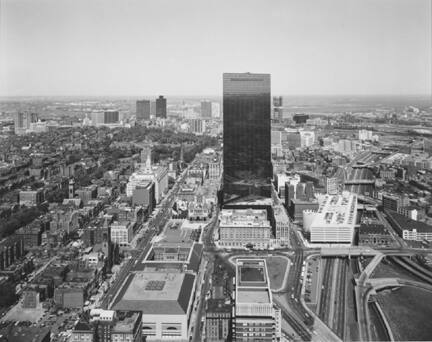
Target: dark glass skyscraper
(161, 107)
(143, 110)
(246, 127)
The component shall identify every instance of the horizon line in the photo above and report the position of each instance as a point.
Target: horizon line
(204, 96)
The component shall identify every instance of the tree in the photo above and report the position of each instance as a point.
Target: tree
(7, 294)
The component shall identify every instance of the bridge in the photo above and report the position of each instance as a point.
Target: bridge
(353, 251)
(360, 182)
(362, 166)
(368, 199)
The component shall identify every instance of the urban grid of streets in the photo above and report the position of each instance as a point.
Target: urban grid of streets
(303, 322)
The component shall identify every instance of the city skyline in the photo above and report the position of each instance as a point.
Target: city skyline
(107, 48)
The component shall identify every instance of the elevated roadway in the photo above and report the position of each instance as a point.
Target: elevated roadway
(359, 182)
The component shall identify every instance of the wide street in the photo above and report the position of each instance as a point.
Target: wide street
(307, 325)
(154, 227)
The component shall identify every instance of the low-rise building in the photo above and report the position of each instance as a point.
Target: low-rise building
(409, 229)
(70, 297)
(144, 195)
(122, 233)
(374, 235)
(255, 316)
(157, 174)
(394, 202)
(214, 167)
(31, 235)
(31, 198)
(165, 300)
(83, 332)
(282, 224)
(240, 228)
(332, 185)
(199, 210)
(298, 206)
(25, 334)
(11, 250)
(218, 320)
(127, 327)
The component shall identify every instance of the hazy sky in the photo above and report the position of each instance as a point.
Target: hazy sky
(182, 47)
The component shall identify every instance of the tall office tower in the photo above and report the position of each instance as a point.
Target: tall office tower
(161, 107)
(153, 109)
(23, 120)
(111, 116)
(206, 109)
(246, 142)
(143, 110)
(277, 108)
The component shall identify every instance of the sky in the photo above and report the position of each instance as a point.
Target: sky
(182, 47)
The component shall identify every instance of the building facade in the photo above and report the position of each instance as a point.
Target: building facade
(335, 219)
(31, 198)
(121, 233)
(240, 228)
(161, 107)
(282, 224)
(218, 320)
(206, 109)
(256, 318)
(246, 141)
(23, 120)
(143, 110)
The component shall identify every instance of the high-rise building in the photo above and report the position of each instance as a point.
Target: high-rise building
(197, 126)
(111, 116)
(246, 142)
(23, 120)
(277, 108)
(276, 137)
(161, 107)
(152, 108)
(143, 110)
(99, 118)
(216, 110)
(206, 109)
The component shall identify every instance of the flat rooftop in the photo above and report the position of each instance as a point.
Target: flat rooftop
(336, 210)
(127, 322)
(154, 285)
(251, 273)
(251, 295)
(156, 293)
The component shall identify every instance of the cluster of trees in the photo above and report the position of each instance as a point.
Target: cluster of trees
(56, 195)
(20, 218)
(7, 294)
